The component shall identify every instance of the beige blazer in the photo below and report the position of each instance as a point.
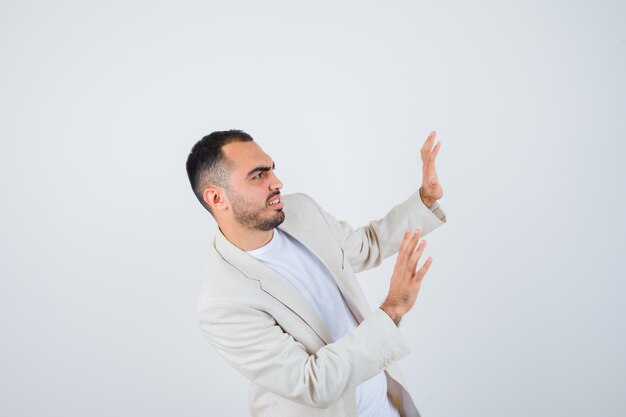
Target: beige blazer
(267, 331)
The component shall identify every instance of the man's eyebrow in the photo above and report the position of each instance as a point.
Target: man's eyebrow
(261, 169)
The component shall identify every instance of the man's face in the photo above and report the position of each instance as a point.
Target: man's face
(254, 190)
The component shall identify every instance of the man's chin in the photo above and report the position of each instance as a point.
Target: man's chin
(280, 217)
(277, 218)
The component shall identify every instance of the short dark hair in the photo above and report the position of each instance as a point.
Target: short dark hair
(206, 163)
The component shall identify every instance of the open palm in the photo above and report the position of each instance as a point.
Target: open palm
(431, 189)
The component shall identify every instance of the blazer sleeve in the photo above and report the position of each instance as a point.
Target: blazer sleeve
(365, 247)
(256, 346)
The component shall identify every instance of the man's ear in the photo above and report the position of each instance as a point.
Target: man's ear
(215, 197)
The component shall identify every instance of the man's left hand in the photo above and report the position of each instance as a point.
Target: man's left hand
(431, 189)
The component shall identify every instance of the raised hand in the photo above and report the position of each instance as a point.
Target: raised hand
(406, 279)
(431, 189)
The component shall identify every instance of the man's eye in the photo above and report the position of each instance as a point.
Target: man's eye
(257, 176)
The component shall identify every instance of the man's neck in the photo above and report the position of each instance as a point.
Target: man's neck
(247, 239)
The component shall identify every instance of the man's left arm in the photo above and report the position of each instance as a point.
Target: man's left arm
(365, 247)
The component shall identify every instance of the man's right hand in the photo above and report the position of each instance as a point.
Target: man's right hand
(406, 280)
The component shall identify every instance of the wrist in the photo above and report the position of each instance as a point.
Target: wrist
(428, 202)
(392, 312)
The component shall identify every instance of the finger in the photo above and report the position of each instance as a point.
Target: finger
(412, 246)
(419, 275)
(415, 257)
(428, 144)
(406, 239)
(428, 167)
(435, 151)
(413, 243)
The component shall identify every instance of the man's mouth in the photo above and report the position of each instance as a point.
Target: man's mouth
(275, 201)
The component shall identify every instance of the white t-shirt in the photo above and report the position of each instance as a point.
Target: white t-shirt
(297, 264)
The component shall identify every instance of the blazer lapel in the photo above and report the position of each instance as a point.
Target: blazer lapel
(272, 283)
(331, 258)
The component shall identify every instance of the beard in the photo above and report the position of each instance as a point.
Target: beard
(249, 215)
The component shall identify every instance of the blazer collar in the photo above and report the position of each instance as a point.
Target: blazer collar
(272, 283)
(331, 258)
(280, 288)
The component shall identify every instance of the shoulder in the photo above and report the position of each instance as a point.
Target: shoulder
(298, 198)
(300, 208)
(223, 281)
(300, 202)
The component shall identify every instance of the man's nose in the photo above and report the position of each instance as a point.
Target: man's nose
(275, 183)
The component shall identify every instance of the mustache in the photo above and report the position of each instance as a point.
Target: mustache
(273, 195)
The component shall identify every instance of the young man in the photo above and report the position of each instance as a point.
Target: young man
(282, 303)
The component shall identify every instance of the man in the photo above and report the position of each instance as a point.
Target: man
(282, 304)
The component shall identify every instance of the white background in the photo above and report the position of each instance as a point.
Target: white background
(103, 245)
